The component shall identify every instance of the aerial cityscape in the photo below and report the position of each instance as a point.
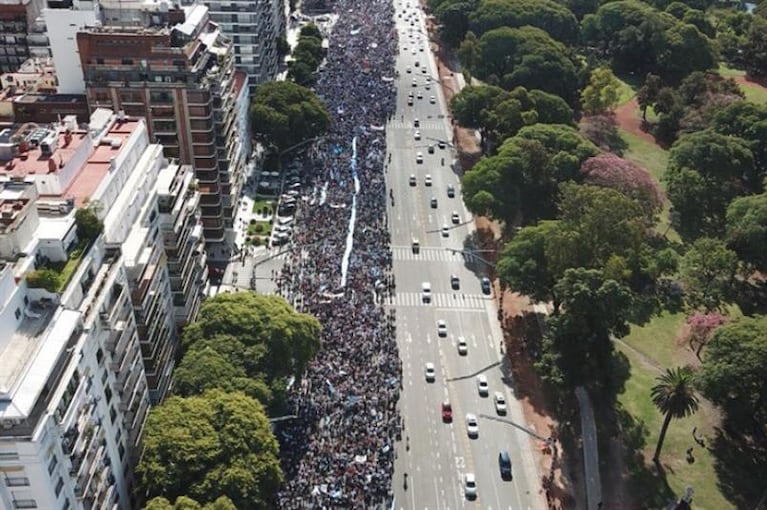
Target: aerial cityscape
(383, 254)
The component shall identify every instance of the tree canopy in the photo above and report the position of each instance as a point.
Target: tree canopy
(187, 503)
(500, 114)
(706, 171)
(734, 374)
(602, 92)
(285, 114)
(548, 15)
(612, 171)
(707, 271)
(526, 57)
(523, 177)
(638, 38)
(277, 340)
(212, 445)
(747, 229)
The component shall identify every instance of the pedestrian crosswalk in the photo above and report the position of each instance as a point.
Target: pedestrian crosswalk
(440, 300)
(423, 125)
(431, 254)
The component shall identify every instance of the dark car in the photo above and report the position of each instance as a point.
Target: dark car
(447, 412)
(504, 464)
(486, 285)
(451, 191)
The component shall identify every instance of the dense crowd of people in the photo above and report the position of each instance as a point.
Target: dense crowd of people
(339, 450)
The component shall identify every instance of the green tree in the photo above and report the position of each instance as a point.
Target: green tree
(647, 95)
(685, 50)
(707, 271)
(311, 30)
(602, 93)
(468, 54)
(301, 72)
(548, 15)
(203, 368)
(674, 397)
(747, 229)
(280, 340)
(454, 18)
(577, 347)
(526, 57)
(754, 51)
(521, 180)
(87, 223)
(748, 121)
(706, 171)
(734, 374)
(285, 114)
(212, 445)
(523, 267)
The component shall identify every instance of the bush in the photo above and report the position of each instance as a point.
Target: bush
(45, 278)
(259, 228)
(256, 241)
(252, 221)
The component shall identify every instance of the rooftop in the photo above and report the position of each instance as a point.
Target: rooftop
(63, 159)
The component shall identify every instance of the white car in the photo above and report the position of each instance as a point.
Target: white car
(500, 403)
(426, 292)
(429, 372)
(427, 180)
(470, 486)
(408, 70)
(441, 328)
(482, 387)
(417, 135)
(419, 158)
(419, 95)
(445, 231)
(455, 218)
(432, 99)
(472, 426)
(463, 348)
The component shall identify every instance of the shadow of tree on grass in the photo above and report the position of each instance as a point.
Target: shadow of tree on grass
(741, 467)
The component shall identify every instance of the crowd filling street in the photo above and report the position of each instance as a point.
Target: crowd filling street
(339, 450)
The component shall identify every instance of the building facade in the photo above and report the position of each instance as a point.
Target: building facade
(254, 27)
(17, 20)
(83, 355)
(176, 69)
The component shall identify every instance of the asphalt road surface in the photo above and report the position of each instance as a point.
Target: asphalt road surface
(437, 455)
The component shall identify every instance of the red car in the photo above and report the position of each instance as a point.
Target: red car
(447, 412)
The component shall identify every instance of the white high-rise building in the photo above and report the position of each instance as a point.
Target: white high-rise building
(88, 329)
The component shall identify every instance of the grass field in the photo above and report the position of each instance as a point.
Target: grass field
(679, 473)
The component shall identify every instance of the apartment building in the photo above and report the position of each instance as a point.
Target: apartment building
(83, 356)
(174, 67)
(20, 29)
(254, 27)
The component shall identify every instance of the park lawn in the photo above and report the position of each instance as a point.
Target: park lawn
(266, 229)
(626, 92)
(647, 154)
(658, 339)
(753, 91)
(258, 205)
(700, 475)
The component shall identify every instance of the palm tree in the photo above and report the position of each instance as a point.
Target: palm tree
(674, 397)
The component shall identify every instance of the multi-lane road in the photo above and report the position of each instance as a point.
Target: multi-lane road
(436, 455)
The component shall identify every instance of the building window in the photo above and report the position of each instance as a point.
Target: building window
(112, 414)
(99, 355)
(127, 62)
(121, 451)
(108, 393)
(52, 464)
(59, 486)
(24, 503)
(17, 313)
(66, 505)
(9, 456)
(104, 376)
(17, 481)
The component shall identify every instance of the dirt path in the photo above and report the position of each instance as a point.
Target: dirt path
(628, 119)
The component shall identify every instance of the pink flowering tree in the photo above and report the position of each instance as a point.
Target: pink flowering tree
(611, 171)
(699, 328)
